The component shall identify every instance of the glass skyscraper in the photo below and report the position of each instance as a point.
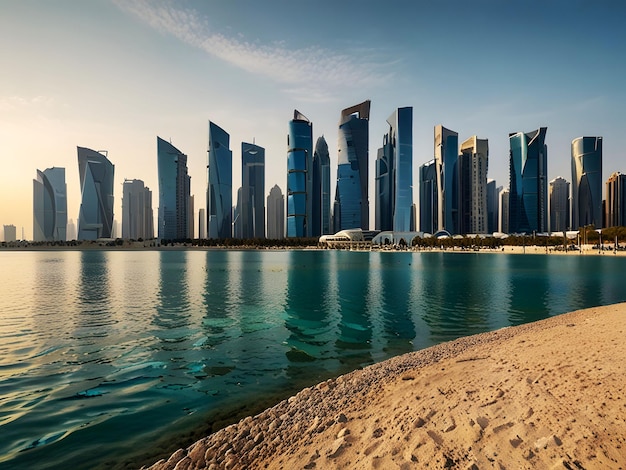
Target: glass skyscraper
(174, 192)
(586, 182)
(137, 221)
(275, 214)
(299, 176)
(559, 205)
(351, 208)
(95, 218)
(528, 172)
(394, 174)
(321, 189)
(616, 200)
(252, 213)
(428, 197)
(447, 198)
(50, 205)
(220, 190)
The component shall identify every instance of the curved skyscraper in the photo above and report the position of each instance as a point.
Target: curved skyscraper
(351, 197)
(528, 172)
(174, 192)
(321, 189)
(446, 198)
(50, 205)
(299, 176)
(220, 191)
(252, 191)
(586, 182)
(95, 218)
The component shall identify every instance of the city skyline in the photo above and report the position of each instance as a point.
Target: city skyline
(205, 62)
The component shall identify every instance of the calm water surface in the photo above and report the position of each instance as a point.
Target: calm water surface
(103, 353)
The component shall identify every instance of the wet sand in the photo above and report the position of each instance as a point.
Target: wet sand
(549, 394)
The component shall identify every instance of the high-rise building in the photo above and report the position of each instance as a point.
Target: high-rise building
(237, 225)
(616, 200)
(95, 218)
(252, 213)
(528, 172)
(428, 197)
(503, 219)
(220, 191)
(299, 176)
(351, 207)
(493, 205)
(472, 166)
(275, 214)
(394, 174)
(10, 233)
(191, 227)
(559, 205)
(447, 198)
(137, 219)
(174, 192)
(50, 205)
(321, 189)
(586, 182)
(201, 224)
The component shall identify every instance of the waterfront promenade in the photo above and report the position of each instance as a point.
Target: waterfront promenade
(548, 394)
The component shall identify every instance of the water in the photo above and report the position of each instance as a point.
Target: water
(115, 358)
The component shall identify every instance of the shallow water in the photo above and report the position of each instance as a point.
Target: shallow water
(106, 352)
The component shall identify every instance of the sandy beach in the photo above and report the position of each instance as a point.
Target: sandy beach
(549, 394)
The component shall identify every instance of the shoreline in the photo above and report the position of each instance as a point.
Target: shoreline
(532, 396)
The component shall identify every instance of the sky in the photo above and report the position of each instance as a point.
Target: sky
(113, 75)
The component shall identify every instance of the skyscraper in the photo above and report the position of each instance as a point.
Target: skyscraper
(174, 192)
(493, 205)
(616, 200)
(447, 198)
(504, 211)
(50, 205)
(201, 224)
(351, 208)
(321, 189)
(587, 182)
(220, 191)
(394, 174)
(10, 233)
(137, 221)
(473, 164)
(252, 213)
(299, 176)
(428, 197)
(275, 214)
(528, 171)
(95, 218)
(559, 205)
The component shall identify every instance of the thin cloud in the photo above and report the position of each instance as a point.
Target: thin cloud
(315, 69)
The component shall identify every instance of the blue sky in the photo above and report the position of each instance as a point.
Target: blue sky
(112, 75)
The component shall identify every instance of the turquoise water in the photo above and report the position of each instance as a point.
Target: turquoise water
(106, 352)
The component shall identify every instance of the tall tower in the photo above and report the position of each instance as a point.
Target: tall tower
(473, 164)
(493, 205)
(220, 190)
(174, 192)
(351, 196)
(447, 198)
(616, 200)
(252, 191)
(528, 171)
(321, 189)
(299, 176)
(275, 214)
(428, 197)
(587, 182)
(559, 205)
(137, 221)
(50, 205)
(95, 218)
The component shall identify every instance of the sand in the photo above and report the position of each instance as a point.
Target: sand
(550, 394)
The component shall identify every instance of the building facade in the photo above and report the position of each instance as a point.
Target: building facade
(428, 197)
(220, 189)
(472, 168)
(559, 205)
(275, 214)
(201, 224)
(351, 207)
(50, 205)
(321, 189)
(137, 218)
(252, 191)
(493, 206)
(447, 198)
(586, 182)
(616, 200)
(528, 172)
(503, 219)
(95, 217)
(299, 176)
(174, 192)
(10, 233)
